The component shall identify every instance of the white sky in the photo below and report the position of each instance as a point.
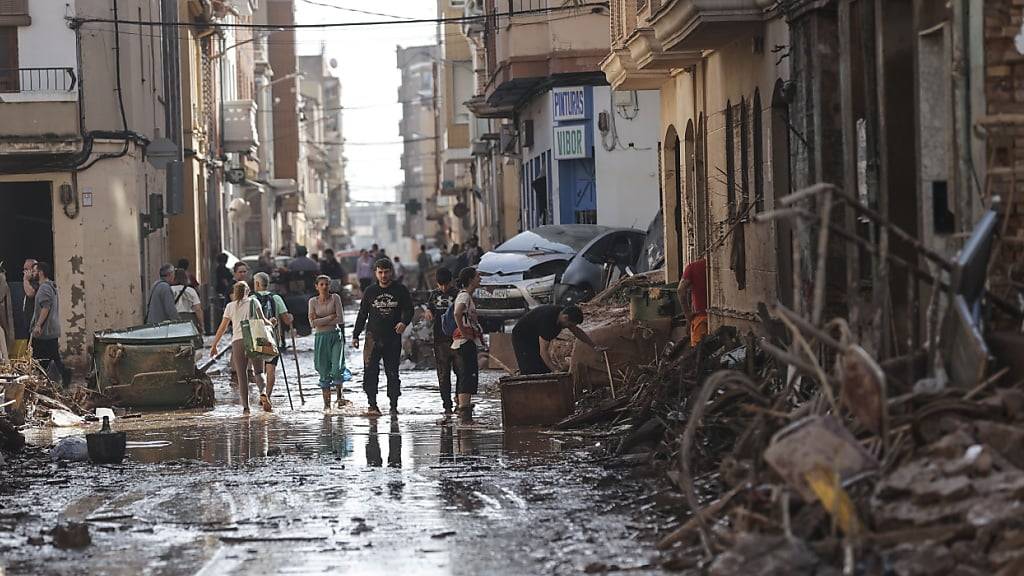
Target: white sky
(369, 81)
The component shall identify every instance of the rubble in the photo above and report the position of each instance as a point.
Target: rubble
(31, 397)
(798, 452)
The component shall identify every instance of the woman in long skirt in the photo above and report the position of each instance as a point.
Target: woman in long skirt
(327, 317)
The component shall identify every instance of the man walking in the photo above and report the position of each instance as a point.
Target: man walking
(385, 311)
(399, 270)
(423, 263)
(161, 306)
(277, 314)
(437, 304)
(46, 321)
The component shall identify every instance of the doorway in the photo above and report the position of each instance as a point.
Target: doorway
(26, 225)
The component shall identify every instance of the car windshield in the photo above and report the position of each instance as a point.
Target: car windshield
(567, 239)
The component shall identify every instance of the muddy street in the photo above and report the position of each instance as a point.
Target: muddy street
(299, 492)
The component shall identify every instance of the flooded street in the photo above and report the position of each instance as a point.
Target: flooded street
(300, 491)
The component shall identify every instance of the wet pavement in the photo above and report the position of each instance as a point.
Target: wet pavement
(304, 492)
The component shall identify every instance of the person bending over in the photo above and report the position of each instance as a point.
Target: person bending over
(535, 331)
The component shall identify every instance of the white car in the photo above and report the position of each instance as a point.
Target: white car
(521, 273)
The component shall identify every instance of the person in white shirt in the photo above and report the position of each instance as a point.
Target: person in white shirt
(186, 299)
(466, 341)
(235, 312)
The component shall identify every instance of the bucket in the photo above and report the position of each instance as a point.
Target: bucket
(106, 446)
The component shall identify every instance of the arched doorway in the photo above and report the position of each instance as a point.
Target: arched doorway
(674, 243)
(780, 187)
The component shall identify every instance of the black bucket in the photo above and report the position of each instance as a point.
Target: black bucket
(106, 446)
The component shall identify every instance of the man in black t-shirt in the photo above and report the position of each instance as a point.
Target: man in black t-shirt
(385, 311)
(534, 332)
(438, 302)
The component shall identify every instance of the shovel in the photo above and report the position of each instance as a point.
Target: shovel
(284, 372)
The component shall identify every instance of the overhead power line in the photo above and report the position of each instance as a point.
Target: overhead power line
(592, 6)
(355, 10)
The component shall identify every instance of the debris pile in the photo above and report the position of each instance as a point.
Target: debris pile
(798, 452)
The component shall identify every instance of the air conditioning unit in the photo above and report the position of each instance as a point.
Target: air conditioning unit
(508, 140)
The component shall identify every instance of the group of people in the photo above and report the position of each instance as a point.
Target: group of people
(35, 323)
(453, 260)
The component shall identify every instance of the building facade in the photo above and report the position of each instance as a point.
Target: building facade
(420, 152)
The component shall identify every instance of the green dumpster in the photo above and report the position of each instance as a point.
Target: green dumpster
(151, 366)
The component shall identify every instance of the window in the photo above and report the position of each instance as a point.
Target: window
(758, 155)
(457, 3)
(14, 13)
(730, 161)
(8, 58)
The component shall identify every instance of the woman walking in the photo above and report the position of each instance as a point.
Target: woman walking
(242, 307)
(466, 341)
(327, 317)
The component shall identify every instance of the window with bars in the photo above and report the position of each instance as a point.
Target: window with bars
(14, 13)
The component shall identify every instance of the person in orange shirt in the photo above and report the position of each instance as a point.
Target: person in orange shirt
(693, 296)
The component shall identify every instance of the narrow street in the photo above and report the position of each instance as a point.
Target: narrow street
(305, 492)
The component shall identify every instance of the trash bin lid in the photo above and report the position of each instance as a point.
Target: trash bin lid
(165, 332)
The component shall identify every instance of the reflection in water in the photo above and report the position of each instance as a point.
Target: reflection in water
(394, 445)
(447, 444)
(373, 457)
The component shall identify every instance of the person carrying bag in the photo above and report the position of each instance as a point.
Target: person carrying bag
(251, 342)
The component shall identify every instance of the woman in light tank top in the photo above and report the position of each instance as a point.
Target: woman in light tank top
(327, 317)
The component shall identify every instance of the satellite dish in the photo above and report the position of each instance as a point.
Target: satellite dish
(333, 63)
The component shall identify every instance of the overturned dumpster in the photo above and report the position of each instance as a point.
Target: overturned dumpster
(151, 367)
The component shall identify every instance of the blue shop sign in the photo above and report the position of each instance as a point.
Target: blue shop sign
(569, 103)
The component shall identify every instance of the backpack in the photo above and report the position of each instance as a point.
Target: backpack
(267, 304)
(448, 324)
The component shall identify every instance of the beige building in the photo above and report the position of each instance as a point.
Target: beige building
(78, 108)
(454, 89)
(725, 146)
(418, 130)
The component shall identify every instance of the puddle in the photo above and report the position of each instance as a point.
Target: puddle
(299, 491)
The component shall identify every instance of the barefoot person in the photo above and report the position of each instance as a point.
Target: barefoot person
(534, 332)
(241, 307)
(385, 312)
(327, 317)
(466, 341)
(276, 312)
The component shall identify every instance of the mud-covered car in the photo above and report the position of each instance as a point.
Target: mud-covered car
(603, 261)
(521, 273)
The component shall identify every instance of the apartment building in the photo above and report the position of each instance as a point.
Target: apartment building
(458, 196)
(418, 131)
(80, 102)
(585, 154)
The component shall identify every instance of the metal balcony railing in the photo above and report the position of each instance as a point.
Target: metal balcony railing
(37, 80)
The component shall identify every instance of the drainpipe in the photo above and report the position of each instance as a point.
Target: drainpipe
(966, 220)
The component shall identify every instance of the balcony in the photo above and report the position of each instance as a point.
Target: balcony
(652, 37)
(240, 126)
(707, 24)
(39, 111)
(535, 50)
(37, 84)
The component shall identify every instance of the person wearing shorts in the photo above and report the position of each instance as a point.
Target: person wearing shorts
(277, 313)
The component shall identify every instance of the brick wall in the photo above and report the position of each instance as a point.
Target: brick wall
(1004, 94)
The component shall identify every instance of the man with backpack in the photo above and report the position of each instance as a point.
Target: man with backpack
(277, 314)
(438, 303)
(385, 311)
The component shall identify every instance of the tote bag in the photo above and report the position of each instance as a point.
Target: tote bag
(258, 334)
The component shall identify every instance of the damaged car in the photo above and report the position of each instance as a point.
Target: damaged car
(523, 272)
